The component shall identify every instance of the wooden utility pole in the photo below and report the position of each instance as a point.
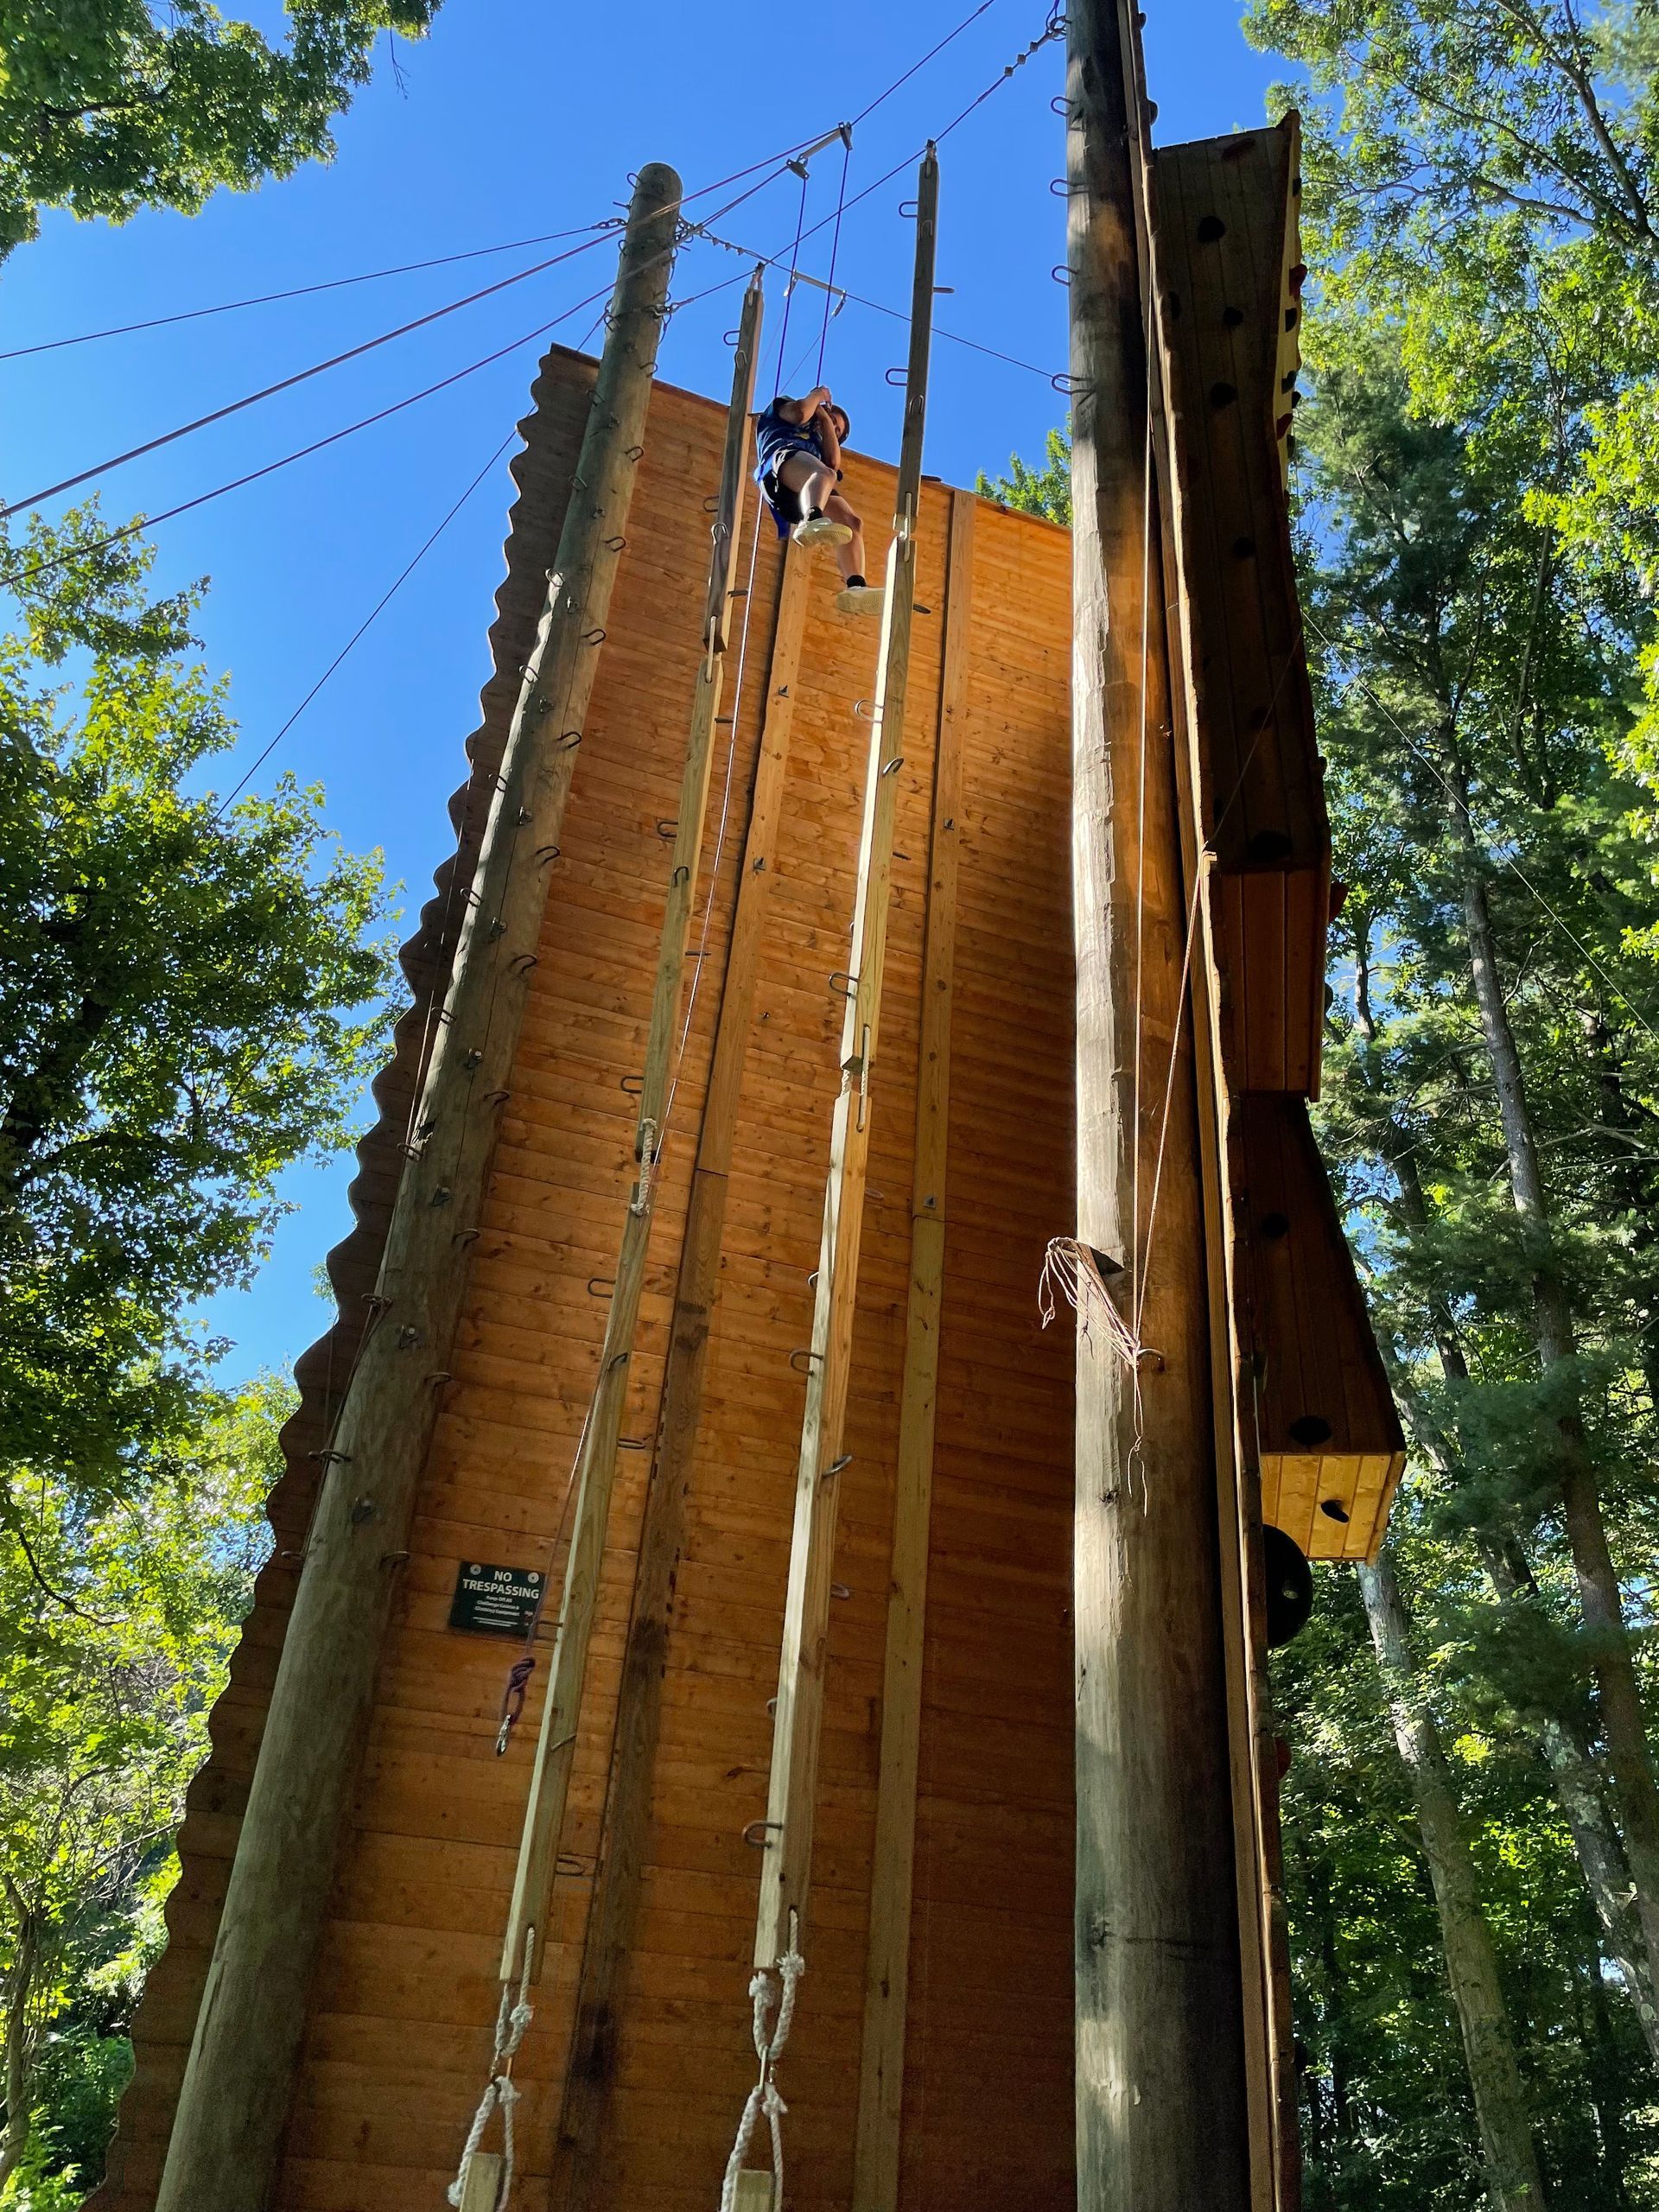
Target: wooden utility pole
(227, 2130)
(886, 1971)
(1162, 2118)
(595, 1469)
(786, 1873)
(618, 1881)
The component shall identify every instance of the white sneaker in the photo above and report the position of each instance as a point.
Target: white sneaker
(861, 598)
(818, 529)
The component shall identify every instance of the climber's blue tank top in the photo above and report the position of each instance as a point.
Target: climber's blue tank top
(777, 436)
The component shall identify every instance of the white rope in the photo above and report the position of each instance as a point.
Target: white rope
(1072, 1269)
(511, 2022)
(763, 2097)
(649, 1151)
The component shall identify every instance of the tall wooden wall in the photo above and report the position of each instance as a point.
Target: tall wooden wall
(398, 2045)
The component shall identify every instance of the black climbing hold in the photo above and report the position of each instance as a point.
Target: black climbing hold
(1309, 1431)
(1333, 1509)
(1275, 1225)
(1211, 227)
(1232, 317)
(1268, 846)
(1222, 395)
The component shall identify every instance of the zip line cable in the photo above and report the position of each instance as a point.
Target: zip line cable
(13, 577)
(835, 244)
(1054, 28)
(147, 522)
(370, 276)
(287, 383)
(472, 253)
(947, 40)
(304, 291)
(366, 624)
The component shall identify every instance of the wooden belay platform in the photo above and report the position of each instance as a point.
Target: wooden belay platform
(640, 2110)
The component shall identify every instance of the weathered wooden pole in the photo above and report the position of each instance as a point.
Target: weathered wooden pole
(596, 1457)
(1162, 2108)
(886, 1969)
(619, 1883)
(228, 2132)
(786, 1871)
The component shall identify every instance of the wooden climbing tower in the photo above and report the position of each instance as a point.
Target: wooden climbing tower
(697, 1560)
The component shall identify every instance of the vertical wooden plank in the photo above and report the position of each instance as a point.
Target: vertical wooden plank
(786, 1868)
(875, 2180)
(1220, 902)
(615, 1907)
(527, 1917)
(483, 2183)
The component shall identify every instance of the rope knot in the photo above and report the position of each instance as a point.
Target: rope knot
(1078, 1272)
(763, 2097)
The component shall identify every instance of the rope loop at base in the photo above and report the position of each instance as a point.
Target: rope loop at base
(763, 2097)
(502, 2092)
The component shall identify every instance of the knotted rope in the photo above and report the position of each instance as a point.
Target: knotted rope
(649, 1153)
(511, 2022)
(763, 2097)
(1074, 1271)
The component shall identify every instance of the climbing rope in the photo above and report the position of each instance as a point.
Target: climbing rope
(794, 262)
(502, 2092)
(835, 248)
(768, 2048)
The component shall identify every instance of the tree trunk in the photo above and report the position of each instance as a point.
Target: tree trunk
(1634, 1181)
(20, 1986)
(1622, 1720)
(1562, 1740)
(1472, 1964)
(1608, 2091)
(1606, 1867)
(1562, 1736)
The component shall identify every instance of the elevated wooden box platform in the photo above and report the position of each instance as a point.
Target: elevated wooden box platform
(1313, 1388)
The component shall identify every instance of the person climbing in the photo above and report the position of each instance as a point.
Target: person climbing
(800, 442)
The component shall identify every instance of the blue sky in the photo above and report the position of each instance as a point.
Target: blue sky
(518, 118)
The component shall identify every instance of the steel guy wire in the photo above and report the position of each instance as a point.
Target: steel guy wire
(368, 621)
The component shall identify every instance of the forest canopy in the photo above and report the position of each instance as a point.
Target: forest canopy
(109, 106)
(192, 994)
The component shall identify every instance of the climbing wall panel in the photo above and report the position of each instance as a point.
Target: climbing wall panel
(1231, 280)
(398, 2033)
